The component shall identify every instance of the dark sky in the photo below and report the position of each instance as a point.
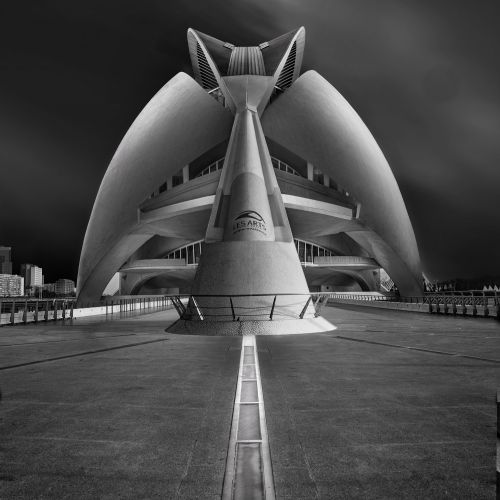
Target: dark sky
(423, 75)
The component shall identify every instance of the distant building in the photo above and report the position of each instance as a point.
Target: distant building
(5, 260)
(49, 287)
(65, 287)
(11, 285)
(33, 277)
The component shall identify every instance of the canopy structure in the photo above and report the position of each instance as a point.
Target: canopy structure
(227, 173)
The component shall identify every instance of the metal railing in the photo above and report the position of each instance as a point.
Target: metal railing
(17, 310)
(249, 307)
(469, 302)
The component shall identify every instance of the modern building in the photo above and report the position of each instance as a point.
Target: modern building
(49, 288)
(33, 277)
(249, 178)
(64, 287)
(5, 260)
(11, 285)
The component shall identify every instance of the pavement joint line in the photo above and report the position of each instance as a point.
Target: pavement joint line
(421, 349)
(411, 443)
(248, 469)
(75, 355)
(68, 340)
(79, 440)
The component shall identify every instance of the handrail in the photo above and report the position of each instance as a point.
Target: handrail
(256, 307)
(21, 310)
(467, 302)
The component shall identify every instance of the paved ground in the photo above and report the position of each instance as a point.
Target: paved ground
(150, 420)
(351, 415)
(120, 409)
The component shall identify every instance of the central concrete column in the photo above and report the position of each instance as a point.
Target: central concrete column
(249, 214)
(249, 246)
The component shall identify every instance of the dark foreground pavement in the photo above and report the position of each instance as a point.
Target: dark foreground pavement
(388, 405)
(355, 413)
(147, 416)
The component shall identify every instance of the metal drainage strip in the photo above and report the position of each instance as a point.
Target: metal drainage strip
(248, 467)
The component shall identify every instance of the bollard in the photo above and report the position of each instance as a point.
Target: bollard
(71, 312)
(36, 312)
(25, 312)
(13, 313)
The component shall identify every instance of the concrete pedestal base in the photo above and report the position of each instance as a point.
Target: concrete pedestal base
(238, 328)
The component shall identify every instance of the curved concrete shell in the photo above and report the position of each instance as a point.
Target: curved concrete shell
(180, 123)
(167, 184)
(314, 121)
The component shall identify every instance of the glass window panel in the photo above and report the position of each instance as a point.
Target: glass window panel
(197, 252)
(302, 254)
(309, 253)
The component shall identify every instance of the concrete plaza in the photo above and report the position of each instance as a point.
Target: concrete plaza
(389, 405)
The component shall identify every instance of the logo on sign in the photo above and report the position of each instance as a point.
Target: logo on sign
(249, 220)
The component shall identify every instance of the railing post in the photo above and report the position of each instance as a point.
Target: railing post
(272, 309)
(232, 308)
(301, 316)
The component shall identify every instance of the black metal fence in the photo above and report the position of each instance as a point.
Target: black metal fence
(247, 307)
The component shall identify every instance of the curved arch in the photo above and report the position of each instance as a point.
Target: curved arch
(179, 124)
(315, 122)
